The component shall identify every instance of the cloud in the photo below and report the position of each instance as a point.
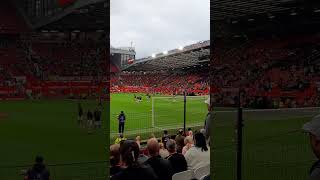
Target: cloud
(158, 25)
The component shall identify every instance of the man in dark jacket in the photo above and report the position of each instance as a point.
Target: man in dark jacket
(177, 160)
(122, 120)
(38, 171)
(162, 167)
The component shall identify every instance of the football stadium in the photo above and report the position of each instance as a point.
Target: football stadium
(161, 81)
(53, 72)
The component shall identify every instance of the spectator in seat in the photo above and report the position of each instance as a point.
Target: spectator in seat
(199, 154)
(115, 159)
(188, 143)
(190, 133)
(177, 160)
(180, 141)
(162, 167)
(165, 138)
(313, 128)
(119, 139)
(131, 168)
(163, 152)
(138, 141)
(38, 171)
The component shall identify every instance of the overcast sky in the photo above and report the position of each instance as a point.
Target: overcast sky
(158, 25)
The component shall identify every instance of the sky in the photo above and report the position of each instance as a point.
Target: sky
(155, 26)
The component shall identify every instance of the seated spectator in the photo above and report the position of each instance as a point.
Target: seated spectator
(177, 160)
(162, 167)
(138, 141)
(115, 159)
(199, 154)
(180, 141)
(163, 151)
(165, 137)
(131, 168)
(38, 171)
(189, 133)
(188, 143)
(119, 139)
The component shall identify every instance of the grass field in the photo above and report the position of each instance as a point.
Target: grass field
(49, 128)
(168, 113)
(274, 147)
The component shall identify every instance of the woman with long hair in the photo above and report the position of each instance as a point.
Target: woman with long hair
(199, 154)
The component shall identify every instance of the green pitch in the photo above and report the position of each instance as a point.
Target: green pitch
(274, 147)
(168, 113)
(49, 128)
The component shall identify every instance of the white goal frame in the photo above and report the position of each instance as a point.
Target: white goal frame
(171, 97)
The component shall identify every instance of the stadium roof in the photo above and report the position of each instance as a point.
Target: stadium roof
(80, 15)
(233, 9)
(235, 18)
(191, 55)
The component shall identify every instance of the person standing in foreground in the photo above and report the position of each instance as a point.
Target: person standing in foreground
(38, 171)
(313, 128)
(208, 120)
(121, 119)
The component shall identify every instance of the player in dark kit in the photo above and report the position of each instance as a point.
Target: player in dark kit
(80, 115)
(97, 118)
(89, 120)
(121, 119)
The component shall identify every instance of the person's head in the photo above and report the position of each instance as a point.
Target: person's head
(190, 133)
(188, 140)
(165, 132)
(313, 128)
(189, 129)
(114, 154)
(200, 141)
(122, 112)
(39, 160)
(138, 139)
(202, 131)
(180, 132)
(129, 153)
(171, 146)
(161, 146)
(153, 147)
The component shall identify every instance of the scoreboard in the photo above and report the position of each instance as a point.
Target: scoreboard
(122, 57)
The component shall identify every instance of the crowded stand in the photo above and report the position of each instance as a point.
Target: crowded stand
(47, 68)
(161, 158)
(281, 72)
(168, 82)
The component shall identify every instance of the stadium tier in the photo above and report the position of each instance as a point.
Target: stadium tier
(53, 59)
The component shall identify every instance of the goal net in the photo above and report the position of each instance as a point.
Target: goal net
(168, 112)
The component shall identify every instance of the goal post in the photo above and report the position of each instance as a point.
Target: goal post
(169, 111)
